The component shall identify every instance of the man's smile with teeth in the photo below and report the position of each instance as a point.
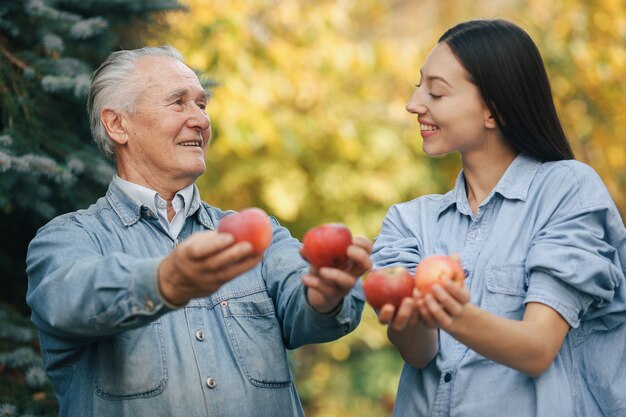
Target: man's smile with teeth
(191, 143)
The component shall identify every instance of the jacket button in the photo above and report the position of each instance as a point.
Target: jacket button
(447, 377)
(200, 335)
(211, 382)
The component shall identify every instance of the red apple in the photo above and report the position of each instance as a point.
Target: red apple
(327, 245)
(249, 225)
(388, 286)
(438, 269)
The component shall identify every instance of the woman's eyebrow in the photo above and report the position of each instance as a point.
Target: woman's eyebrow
(432, 78)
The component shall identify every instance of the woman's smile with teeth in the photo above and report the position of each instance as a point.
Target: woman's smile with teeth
(428, 127)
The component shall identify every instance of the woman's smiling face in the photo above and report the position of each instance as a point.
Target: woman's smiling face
(449, 108)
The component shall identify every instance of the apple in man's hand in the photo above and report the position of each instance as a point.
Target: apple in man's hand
(327, 245)
(388, 286)
(438, 269)
(249, 225)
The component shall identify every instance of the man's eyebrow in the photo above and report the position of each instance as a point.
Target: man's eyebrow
(182, 92)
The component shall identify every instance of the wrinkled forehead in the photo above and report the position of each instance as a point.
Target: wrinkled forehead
(160, 75)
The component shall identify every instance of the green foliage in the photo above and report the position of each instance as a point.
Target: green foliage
(48, 162)
(24, 386)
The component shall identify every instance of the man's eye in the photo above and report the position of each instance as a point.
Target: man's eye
(202, 106)
(434, 95)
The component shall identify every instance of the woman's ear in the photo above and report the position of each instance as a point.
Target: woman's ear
(114, 124)
(490, 121)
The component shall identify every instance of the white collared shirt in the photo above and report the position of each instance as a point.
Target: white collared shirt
(153, 201)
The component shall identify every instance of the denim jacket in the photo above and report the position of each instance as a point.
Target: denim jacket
(112, 346)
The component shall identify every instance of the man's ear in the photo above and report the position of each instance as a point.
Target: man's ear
(114, 124)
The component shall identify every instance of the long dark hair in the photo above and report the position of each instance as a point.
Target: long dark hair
(504, 63)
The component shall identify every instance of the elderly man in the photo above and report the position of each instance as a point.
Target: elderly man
(144, 308)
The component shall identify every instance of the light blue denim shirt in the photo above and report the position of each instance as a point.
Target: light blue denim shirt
(548, 233)
(113, 347)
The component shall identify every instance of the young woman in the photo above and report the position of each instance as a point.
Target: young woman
(539, 328)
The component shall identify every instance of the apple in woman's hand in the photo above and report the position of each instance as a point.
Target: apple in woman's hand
(438, 269)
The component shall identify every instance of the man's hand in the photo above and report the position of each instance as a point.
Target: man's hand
(328, 286)
(200, 265)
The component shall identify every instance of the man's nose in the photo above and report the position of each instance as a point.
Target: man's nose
(199, 119)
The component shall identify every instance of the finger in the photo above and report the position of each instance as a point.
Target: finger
(203, 244)
(437, 312)
(424, 313)
(403, 316)
(447, 302)
(200, 284)
(363, 243)
(386, 313)
(360, 259)
(233, 270)
(234, 254)
(327, 289)
(337, 278)
(458, 291)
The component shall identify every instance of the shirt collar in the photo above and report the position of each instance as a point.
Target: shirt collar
(513, 185)
(128, 199)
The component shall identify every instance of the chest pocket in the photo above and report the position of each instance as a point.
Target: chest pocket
(506, 290)
(256, 337)
(132, 364)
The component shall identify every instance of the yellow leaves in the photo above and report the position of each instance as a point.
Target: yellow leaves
(284, 193)
(561, 87)
(340, 351)
(578, 112)
(617, 156)
(617, 58)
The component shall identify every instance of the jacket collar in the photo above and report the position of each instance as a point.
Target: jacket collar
(129, 208)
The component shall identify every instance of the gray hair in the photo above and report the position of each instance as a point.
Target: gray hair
(115, 85)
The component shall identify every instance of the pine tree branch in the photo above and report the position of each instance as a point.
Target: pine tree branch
(12, 58)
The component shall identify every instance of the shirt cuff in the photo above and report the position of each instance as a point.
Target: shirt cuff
(147, 294)
(569, 302)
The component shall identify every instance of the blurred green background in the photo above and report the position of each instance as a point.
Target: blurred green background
(309, 123)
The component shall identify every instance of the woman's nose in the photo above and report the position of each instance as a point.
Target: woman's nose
(415, 105)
